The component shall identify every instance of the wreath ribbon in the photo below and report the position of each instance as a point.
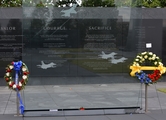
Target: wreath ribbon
(17, 68)
(21, 103)
(17, 65)
(135, 69)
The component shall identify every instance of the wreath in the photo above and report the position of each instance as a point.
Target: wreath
(23, 69)
(149, 58)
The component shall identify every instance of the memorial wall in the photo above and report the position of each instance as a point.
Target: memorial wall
(87, 43)
(11, 44)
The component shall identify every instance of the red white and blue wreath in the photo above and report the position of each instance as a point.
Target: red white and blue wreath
(157, 67)
(17, 67)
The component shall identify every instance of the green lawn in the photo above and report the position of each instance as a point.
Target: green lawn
(162, 90)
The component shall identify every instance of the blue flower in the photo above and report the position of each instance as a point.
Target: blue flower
(143, 77)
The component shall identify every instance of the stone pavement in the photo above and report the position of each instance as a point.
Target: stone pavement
(87, 96)
(153, 115)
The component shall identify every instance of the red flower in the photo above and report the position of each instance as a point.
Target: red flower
(82, 108)
(18, 87)
(22, 81)
(25, 73)
(11, 85)
(8, 70)
(7, 79)
(155, 75)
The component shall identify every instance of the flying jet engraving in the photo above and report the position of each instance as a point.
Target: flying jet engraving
(106, 56)
(111, 58)
(116, 61)
(46, 66)
(69, 11)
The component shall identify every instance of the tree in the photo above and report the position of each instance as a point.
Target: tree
(66, 3)
(98, 3)
(163, 3)
(123, 3)
(147, 3)
(26, 3)
(10, 3)
(151, 3)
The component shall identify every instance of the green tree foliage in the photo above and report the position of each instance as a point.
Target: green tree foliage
(10, 3)
(65, 3)
(30, 3)
(163, 3)
(87, 3)
(124, 3)
(40, 4)
(151, 3)
(137, 3)
(98, 3)
(26, 3)
(147, 3)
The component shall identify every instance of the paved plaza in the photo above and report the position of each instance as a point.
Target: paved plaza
(55, 97)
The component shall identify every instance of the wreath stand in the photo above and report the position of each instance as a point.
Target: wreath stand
(17, 101)
(17, 85)
(146, 98)
(137, 70)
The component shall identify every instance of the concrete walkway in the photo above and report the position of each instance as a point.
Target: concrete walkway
(151, 115)
(54, 97)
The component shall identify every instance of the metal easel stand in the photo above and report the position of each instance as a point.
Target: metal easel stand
(146, 98)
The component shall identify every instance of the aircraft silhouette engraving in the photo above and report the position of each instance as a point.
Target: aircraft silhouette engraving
(116, 61)
(69, 11)
(112, 58)
(46, 66)
(106, 56)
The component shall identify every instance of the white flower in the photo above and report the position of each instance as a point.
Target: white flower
(24, 77)
(11, 66)
(7, 74)
(136, 59)
(20, 84)
(153, 58)
(150, 53)
(150, 58)
(154, 55)
(143, 59)
(145, 56)
(134, 63)
(143, 53)
(157, 57)
(160, 63)
(138, 56)
(14, 86)
(24, 69)
(155, 63)
(10, 83)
